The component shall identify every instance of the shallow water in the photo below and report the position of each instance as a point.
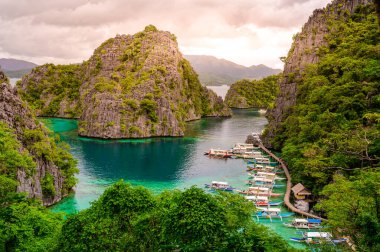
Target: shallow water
(160, 163)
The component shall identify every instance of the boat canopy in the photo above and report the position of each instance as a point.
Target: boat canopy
(269, 210)
(262, 179)
(255, 188)
(301, 221)
(266, 173)
(314, 220)
(256, 198)
(318, 235)
(219, 183)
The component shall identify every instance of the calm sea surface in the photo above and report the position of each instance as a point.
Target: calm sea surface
(160, 163)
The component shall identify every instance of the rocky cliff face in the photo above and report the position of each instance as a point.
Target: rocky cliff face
(133, 86)
(17, 116)
(304, 51)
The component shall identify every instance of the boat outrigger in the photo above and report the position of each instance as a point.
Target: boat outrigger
(304, 224)
(260, 160)
(240, 148)
(259, 191)
(317, 238)
(270, 213)
(262, 201)
(217, 185)
(219, 153)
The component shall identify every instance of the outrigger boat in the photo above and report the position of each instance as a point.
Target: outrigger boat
(262, 168)
(240, 148)
(219, 153)
(304, 224)
(217, 185)
(262, 201)
(271, 213)
(261, 181)
(250, 155)
(260, 160)
(317, 238)
(259, 191)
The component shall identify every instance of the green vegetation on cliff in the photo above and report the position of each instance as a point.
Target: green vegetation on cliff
(333, 131)
(50, 86)
(253, 93)
(25, 225)
(35, 146)
(138, 82)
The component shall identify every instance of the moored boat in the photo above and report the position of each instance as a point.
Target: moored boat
(219, 153)
(218, 185)
(304, 224)
(315, 238)
(259, 191)
(261, 160)
(268, 212)
(239, 148)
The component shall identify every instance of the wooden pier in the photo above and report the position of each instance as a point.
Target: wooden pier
(288, 186)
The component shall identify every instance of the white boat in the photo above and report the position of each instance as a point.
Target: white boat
(240, 148)
(219, 153)
(269, 212)
(218, 185)
(261, 181)
(304, 224)
(314, 237)
(260, 160)
(259, 191)
(267, 175)
(250, 155)
(262, 168)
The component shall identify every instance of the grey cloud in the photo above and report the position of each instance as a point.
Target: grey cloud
(72, 29)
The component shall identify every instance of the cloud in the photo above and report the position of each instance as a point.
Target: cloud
(245, 31)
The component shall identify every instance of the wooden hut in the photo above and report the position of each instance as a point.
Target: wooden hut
(300, 192)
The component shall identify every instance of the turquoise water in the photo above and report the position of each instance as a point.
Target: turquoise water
(160, 163)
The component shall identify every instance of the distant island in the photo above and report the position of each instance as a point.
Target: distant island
(217, 72)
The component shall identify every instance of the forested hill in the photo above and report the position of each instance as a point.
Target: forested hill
(326, 119)
(253, 93)
(213, 71)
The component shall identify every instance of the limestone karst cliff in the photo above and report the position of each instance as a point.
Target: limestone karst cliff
(304, 51)
(133, 86)
(39, 167)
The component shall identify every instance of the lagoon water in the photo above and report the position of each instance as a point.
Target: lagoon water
(159, 163)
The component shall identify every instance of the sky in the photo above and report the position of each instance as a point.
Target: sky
(247, 32)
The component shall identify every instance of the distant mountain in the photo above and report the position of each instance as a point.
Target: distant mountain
(15, 68)
(213, 71)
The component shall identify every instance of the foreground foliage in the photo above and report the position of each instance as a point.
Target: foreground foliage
(353, 207)
(331, 137)
(127, 218)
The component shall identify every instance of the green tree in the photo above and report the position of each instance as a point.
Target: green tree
(353, 207)
(127, 218)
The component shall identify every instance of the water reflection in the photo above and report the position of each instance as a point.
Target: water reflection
(157, 163)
